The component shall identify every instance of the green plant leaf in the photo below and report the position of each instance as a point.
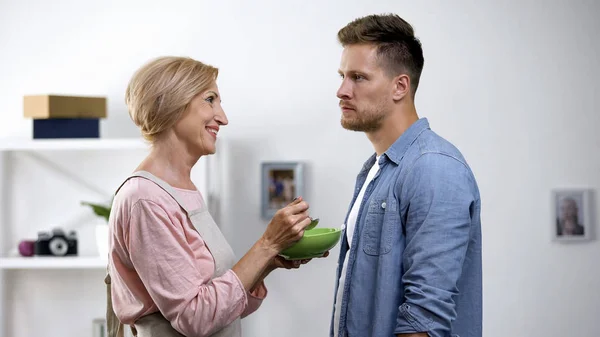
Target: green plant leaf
(100, 210)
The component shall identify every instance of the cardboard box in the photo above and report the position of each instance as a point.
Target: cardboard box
(66, 128)
(56, 106)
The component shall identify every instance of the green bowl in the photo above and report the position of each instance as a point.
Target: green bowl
(314, 243)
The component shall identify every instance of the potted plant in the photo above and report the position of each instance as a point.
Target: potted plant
(102, 211)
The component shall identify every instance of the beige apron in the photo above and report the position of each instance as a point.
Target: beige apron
(155, 325)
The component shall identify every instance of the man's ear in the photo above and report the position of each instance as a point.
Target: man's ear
(401, 87)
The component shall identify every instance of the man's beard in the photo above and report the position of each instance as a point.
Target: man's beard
(364, 121)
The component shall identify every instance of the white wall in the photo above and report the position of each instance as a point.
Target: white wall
(514, 86)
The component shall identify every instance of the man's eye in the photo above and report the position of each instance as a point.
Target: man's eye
(358, 77)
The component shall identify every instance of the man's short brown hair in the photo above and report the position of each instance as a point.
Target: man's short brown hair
(398, 49)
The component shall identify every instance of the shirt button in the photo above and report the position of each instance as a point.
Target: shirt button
(383, 205)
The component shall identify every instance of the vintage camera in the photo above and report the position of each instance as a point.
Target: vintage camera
(56, 243)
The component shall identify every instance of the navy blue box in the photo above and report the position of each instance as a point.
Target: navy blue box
(66, 128)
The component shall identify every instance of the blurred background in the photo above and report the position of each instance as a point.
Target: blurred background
(513, 84)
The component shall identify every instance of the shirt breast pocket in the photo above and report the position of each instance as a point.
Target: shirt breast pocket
(381, 219)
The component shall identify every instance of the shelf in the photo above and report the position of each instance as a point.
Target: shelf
(27, 144)
(49, 262)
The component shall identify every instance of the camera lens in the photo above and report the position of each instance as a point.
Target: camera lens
(58, 246)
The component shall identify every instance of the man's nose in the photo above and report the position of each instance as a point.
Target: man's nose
(345, 90)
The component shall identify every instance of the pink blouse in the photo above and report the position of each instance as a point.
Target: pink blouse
(157, 261)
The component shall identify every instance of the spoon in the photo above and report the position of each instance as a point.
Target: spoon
(313, 224)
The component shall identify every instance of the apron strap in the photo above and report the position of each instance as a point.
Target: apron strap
(114, 327)
(164, 185)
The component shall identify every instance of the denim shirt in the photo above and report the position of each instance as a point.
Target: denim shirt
(415, 257)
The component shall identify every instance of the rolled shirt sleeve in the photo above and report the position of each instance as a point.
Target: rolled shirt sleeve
(255, 299)
(438, 223)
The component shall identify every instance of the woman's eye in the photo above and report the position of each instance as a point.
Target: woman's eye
(210, 99)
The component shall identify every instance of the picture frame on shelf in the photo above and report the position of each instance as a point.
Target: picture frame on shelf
(281, 183)
(573, 217)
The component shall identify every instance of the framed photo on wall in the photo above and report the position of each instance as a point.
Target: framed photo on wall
(281, 182)
(573, 217)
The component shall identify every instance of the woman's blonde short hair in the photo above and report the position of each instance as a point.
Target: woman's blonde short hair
(161, 90)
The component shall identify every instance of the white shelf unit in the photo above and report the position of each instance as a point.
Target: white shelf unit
(42, 262)
(72, 144)
(71, 266)
(10, 264)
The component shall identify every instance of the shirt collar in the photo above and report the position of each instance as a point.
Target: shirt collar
(408, 137)
(397, 150)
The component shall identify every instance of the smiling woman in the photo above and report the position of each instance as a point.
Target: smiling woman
(158, 103)
(171, 271)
